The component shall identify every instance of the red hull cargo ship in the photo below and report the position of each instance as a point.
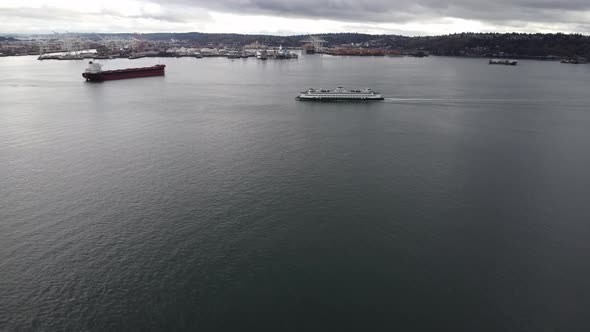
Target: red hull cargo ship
(94, 72)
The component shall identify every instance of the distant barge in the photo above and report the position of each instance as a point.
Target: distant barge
(505, 62)
(339, 94)
(94, 72)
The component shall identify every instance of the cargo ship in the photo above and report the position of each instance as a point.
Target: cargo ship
(309, 49)
(94, 72)
(339, 94)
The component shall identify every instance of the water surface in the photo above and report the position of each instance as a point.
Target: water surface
(210, 199)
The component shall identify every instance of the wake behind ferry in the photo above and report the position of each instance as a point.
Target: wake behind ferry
(339, 94)
(95, 73)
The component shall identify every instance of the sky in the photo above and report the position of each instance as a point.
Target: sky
(288, 17)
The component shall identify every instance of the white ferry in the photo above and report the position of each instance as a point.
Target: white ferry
(338, 94)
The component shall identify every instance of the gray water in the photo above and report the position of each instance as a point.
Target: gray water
(210, 199)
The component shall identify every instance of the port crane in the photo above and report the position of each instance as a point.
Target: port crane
(316, 42)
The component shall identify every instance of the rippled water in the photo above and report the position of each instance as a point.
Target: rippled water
(210, 199)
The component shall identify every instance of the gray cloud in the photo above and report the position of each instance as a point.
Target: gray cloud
(45, 19)
(65, 15)
(400, 11)
(364, 15)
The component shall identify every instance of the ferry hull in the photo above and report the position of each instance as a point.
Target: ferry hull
(120, 74)
(327, 99)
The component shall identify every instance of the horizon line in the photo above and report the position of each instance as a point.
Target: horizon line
(290, 35)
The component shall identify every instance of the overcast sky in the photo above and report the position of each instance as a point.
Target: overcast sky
(408, 17)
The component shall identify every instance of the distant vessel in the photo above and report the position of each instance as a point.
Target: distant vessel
(575, 60)
(49, 57)
(233, 55)
(282, 53)
(62, 57)
(72, 57)
(261, 55)
(338, 94)
(309, 49)
(103, 57)
(503, 62)
(140, 55)
(95, 73)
